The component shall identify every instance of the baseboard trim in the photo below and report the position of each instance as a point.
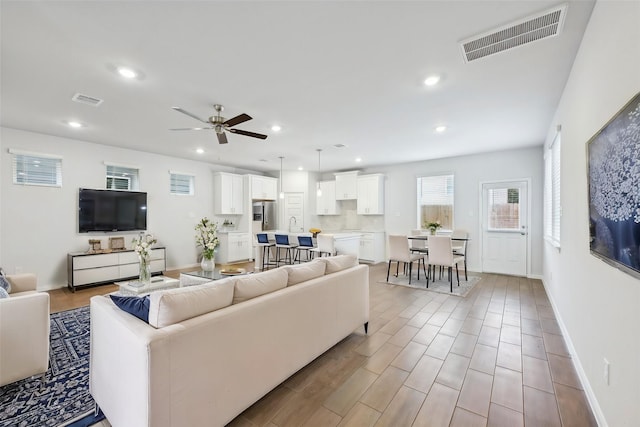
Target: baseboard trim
(586, 385)
(536, 276)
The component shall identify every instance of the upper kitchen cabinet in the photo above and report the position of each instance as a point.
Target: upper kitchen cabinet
(326, 202)
(228, 194)
(370, 195)
(264, 188)
(346, 185)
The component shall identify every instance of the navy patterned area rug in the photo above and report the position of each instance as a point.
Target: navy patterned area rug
(64, 399)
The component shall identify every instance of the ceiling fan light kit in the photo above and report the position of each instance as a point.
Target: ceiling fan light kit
(220, 125)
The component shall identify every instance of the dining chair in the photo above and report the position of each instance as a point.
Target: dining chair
(282, 242)
(400, 251)
(460, 246)
(419, 245)
(266, 245)
(326, 245)
(441, 254)
(305, 243)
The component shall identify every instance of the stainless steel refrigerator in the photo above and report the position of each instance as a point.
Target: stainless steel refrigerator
(266, 214)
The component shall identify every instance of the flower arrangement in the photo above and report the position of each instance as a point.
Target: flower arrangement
(315, 231)
(433, 226)
(207, 237)
(142, 245)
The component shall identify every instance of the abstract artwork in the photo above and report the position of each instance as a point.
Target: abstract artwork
(614, 190)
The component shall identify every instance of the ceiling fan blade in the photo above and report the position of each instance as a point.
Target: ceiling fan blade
(222, 138)
(191, 129)
(237, 120)
(180, 110)
(247, 133)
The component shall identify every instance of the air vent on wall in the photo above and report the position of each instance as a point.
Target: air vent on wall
(86, 99)
(527, 30)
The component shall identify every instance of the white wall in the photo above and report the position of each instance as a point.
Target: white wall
(469, 171)
(598, 306)
(39, 225)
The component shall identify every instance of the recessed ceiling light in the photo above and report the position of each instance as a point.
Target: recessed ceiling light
(300, 168)
(358, 159)
(432, 80)
(275, 128)
(74, 124)
(441, 128)
(199, 150)
(127, 73)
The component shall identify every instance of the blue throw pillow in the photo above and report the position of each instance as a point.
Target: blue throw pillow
(137, 306)
(4, 284)
(3, 293)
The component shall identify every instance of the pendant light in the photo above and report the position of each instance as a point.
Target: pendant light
(319, 191)
(281, 192)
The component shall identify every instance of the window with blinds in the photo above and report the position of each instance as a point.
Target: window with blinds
(435, 201)
(552, 208)
(181, 184)
(37, 169)
(122, 178)
(504, 209)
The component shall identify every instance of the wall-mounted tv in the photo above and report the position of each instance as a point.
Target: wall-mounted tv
(614, 190)
(111, 210)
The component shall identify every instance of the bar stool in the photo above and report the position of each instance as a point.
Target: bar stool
(326, 245)
(266, 245)
(305, 243)
(282, 242)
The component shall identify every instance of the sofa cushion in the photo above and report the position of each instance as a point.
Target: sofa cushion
(175, 305)
(303, 272)
(137, 306)
(339, 263)
(254, 285)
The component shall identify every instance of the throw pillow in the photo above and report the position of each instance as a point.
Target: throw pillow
(137, 306)
(4, 284)
(254, 285)
(339, 263)
(3, 293)
(303, 272)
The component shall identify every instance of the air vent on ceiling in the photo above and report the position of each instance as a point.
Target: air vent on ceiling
(527, 30)
(339, 145)
(86, 99)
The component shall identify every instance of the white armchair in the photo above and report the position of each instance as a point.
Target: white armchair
(24, 330)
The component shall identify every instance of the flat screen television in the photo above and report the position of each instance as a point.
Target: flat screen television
(111, 210)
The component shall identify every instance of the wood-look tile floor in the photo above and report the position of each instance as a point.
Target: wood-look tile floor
(493, 358)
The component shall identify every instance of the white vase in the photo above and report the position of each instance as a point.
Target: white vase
(208, 264)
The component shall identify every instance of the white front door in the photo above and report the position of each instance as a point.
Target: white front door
(505, 227)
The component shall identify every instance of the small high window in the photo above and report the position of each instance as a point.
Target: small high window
(181, 183)
(122, 178)
(36, 169)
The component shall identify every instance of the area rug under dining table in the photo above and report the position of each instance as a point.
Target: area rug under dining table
(440, 284)
(63, 399)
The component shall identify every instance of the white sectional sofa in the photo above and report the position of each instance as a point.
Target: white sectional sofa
(212, 350)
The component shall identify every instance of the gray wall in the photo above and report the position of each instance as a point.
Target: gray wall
(598, 306)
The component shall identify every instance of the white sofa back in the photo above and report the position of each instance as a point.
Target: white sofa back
(207, 369)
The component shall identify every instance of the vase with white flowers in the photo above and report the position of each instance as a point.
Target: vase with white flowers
(433, 226)
(142, 246)
(207, 238)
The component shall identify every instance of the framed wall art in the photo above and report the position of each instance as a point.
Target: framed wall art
(614, 190)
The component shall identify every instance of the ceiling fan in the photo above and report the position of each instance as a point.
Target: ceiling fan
(220, 125)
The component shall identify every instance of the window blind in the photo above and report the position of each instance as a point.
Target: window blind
(181, 184)
(555, 183)
(435, 200)
(35, 169)
(122, 178)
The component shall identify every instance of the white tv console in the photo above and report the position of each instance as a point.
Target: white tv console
(85, 269)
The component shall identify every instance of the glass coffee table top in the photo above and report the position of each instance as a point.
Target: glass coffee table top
(189, 278)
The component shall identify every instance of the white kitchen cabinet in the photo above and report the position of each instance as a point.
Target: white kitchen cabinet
(346, 185)
(264, 188)
(370, 195)
(234, 247)
(372, 246)
(228, 194)
(326, 202)
(92, 269)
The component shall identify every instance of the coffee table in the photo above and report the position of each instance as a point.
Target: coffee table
(197, 277)
(157, 283)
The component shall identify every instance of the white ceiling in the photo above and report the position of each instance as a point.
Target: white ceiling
(341, 72)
